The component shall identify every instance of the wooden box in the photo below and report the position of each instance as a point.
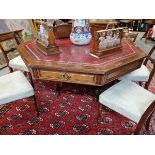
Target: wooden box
(106, 42)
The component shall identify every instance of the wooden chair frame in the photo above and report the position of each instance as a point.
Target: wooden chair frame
(146, 117)
(145, 63)
(17, 36)
(153, 69)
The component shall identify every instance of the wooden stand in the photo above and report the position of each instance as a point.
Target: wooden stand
(47, 50)
(100, 54)
(51, 48)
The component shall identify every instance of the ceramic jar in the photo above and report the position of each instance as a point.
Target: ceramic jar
(80, 34)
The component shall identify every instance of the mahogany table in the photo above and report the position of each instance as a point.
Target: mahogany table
(75, 65)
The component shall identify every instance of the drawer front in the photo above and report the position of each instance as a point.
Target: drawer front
(69, 77)
(122, 71)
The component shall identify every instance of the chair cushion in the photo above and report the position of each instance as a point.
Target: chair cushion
(141, 74)
(14, 86)
(18, 63)
(128, 99)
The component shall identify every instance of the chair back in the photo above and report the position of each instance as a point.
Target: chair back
(149, 55)
(151, 73)
(16, 35)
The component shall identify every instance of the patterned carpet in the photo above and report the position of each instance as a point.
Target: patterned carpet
(74, 112)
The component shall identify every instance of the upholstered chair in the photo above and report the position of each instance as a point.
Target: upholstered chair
(16, 63)
(15, 86)
(141, 74)
(133, 36)
(130, 100)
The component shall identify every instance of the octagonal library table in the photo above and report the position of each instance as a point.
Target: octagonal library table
(74, 64)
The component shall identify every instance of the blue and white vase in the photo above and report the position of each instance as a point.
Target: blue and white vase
(80, 34)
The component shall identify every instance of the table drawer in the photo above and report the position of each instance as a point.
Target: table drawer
(90, 79)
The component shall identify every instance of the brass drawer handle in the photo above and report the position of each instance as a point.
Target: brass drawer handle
(66, 76)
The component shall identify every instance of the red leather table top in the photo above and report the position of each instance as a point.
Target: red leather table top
(74, 54)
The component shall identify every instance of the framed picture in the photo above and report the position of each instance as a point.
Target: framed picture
(106, 41)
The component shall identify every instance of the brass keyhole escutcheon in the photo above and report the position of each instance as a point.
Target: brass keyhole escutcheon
(66, 76)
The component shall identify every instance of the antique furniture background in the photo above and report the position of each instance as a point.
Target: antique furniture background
(133, 35)
(150, 24)
(97, 25)
(17, 62)
(131, 100)
(130, 23)
(125, 23)
(7, 25)
(141, 74)
(63, 30)
(75, 65)
(15, 86)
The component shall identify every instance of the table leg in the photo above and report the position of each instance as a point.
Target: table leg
(58, 88)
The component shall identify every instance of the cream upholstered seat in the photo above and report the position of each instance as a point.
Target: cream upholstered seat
(128, 99)
(18, 63)
(141, 74)
(14, 86)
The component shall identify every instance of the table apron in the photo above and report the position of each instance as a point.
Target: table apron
(84, 78)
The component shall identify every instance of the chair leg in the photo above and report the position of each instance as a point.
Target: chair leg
(28, 74)
(140, 83)
(58, 88)
(11, 70)
(144, 36)
(36, 106)
(35, 100)
(116, 81)
(148, 122)
(100, 113)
